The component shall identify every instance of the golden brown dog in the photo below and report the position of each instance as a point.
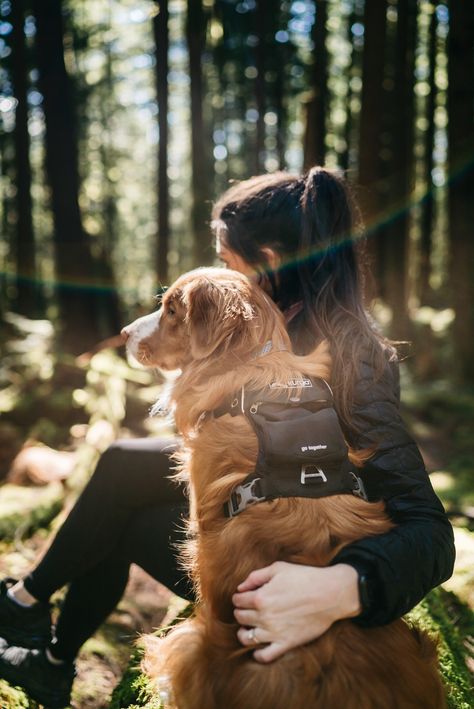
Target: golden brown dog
(212, 325)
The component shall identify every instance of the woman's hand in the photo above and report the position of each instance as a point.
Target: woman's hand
(287, 605)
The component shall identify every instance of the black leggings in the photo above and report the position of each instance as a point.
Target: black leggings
(129, 512)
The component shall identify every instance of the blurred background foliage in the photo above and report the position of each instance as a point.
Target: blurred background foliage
(122, 120)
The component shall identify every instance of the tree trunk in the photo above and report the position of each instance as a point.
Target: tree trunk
(26, 295)
(315, 134)
(424, 288)
(83, 306)
(4, 280)
(200, 150)
(160, 31)
(397, 234)
(461, 185)
(260, 85)
(280, 108)
(370, 129)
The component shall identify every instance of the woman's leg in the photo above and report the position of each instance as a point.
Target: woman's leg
(128, 524)
(130, 476)
(150, 540)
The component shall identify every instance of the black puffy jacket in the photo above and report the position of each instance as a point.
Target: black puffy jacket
(418, 554)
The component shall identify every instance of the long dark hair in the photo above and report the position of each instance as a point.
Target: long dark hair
(312, 223)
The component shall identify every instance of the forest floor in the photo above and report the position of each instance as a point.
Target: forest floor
(80, 406)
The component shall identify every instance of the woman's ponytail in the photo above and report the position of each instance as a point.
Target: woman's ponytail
(311, 223)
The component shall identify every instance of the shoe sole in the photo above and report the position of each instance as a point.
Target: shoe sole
(48, 700)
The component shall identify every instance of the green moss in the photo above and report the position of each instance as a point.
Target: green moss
(443, 614)
(27, 509)
(14, 697)
(135, 689)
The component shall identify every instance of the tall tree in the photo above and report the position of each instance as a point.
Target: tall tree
(87, 310)
(26, 300)
(160, 31)
(4, 228)
(196, 23)
(260, 92)
(397, 233)
(316, 107)
(280, 108)
(427, 216)
(370, 123)
(461, 182)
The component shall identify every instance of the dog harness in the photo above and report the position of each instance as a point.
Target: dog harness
(301, 448)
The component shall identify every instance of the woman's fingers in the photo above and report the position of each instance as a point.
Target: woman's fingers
(246, 617)
(257, 578)
(246, 600)
(251, 637)
(270, 652)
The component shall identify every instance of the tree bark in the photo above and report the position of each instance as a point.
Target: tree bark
(160, 31)
(424, 288)
(87, 302)
(280, 107)
(370, 129)
(200, 150)
(397, 233)
(461, 185)
(260, 85)
(316, 107)
(26, 296)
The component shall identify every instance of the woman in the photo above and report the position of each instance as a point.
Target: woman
(295, 234)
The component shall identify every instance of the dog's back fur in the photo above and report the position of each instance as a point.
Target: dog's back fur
(202, 660)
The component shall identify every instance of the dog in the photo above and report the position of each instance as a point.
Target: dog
(225, 335)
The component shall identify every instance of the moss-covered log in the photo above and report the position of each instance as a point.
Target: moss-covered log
(441, 613)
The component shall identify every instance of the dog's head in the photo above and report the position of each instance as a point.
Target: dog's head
(207, 312)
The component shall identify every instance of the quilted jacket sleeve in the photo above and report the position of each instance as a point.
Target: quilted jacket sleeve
(418, 554)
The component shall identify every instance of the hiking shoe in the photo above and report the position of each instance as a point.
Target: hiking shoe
(26, 626)
(44, 682)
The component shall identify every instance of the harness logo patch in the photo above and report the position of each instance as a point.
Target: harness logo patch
(293, 384)
(319, 447)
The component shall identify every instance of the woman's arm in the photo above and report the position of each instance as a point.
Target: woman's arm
(418, 554)
(291, 605)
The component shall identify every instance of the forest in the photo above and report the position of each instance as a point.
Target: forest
(121, 122)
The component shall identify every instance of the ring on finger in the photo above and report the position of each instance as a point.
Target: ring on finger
(252, 636)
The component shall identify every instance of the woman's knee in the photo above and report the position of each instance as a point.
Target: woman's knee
(138, 469)
(110, 465)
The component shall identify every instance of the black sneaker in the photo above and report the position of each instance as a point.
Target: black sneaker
(44, 682)
(29, 627)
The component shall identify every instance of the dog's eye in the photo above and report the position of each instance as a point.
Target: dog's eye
(171, 311)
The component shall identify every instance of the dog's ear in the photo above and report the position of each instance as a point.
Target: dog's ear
(215, 311)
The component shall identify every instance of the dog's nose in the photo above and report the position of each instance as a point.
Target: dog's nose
(125, 334)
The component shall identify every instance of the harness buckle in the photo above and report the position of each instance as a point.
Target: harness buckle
(242, 497)
(359, 488)
(312, 471)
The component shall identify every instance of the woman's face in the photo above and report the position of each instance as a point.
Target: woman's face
(231, 259)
